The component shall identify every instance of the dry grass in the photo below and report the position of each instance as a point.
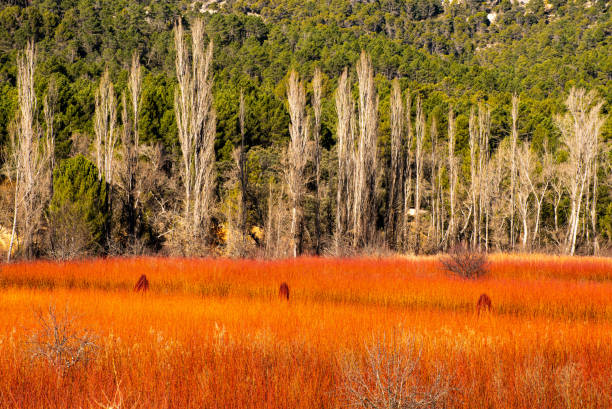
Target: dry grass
(214, 333)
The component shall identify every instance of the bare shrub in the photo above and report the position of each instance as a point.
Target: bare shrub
(59, 342)
(465, 263)
(392, 376)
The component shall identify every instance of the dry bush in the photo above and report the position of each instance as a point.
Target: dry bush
(59, 342)
(465, 263)
(391, 377)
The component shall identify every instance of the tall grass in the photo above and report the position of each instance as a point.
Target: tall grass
(213, 333)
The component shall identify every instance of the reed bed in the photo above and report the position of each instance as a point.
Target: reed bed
(214, 333)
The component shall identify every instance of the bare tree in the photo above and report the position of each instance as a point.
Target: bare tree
(484, 131)
(316, 133)
(452, 175)
(397, 129)
(366, 163)
(420, 137)
(105, 122)
(434, 230)
(473, 129)
(196, 123)
(130, 143)
(595, 183)
(539, 182)
(345, 146)
(135, 88)
(127, 177)
(580, 128)
(49, 107)
(30, 157)
(297, 154)
(558, 184)
(524, 187)
(242, 170)
(408, 170)
(515, 103)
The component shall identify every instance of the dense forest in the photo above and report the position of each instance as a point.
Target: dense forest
(276, 128)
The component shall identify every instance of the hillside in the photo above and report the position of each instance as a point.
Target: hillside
(450, 53)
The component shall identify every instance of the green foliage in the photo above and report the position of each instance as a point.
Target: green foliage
(450, 53)
(77, 190)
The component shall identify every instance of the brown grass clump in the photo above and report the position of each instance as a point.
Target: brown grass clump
(142, 285)
(283, 291)
(484, 303)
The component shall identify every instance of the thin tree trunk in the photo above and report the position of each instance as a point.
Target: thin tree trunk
(10, 249)
(243, 170)
(515, 103)
(420, 136)
(397, 125)
(316, 105)
(452, 175)
(473, 183)
(408, 169)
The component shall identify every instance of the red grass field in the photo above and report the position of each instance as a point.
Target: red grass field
(214, 333)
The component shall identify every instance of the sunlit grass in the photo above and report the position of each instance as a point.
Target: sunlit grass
(213, 333)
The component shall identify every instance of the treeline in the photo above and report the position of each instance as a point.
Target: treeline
(218, 146)
(423, 202)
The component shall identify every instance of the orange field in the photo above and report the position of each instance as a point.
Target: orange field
(213, 333)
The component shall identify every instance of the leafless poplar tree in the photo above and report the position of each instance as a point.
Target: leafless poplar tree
(30, 157)
(105, 122)
(242, 171)
(130, 143)
(316, 133)
(196, 122)
(541, 183)
(408, 170)
(366, 163)
(580, 128)
(515, 103)
(420, 138)
(49, 106)
(345, 146)
(397, 130)
(135, 88)
(452, 176)
(128, 177)
(433, 236)
(558, 184)
(525, 166)
(484, 131)
(473, 129)
(297, 154)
